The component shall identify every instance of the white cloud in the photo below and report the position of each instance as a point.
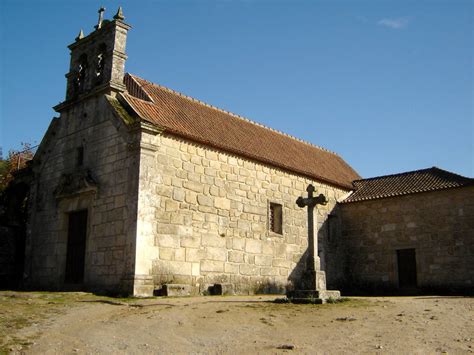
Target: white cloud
(395, 23)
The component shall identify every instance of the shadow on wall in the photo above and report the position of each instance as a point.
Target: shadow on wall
(270, 288)
(296, 280)
(381, 289)
(340, 261)
(331, 262)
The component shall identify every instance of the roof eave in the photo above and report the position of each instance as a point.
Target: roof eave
(238, 152)
(404, 194)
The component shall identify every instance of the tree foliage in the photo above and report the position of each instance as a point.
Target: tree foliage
(16, 160)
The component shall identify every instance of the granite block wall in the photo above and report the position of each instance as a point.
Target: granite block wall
(110, 202)
(203, 218)
(439, 225)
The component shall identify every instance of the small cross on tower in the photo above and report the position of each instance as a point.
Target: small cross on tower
(101, 18)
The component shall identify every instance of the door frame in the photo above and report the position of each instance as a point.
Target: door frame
(66, 206)
(85, 238)
(415, 269)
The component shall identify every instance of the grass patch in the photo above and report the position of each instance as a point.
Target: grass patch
(338, 300)
(19, 310)
(353, 303)
(281, 300)
(343, 301)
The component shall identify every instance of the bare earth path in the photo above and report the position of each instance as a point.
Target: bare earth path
(251, 324)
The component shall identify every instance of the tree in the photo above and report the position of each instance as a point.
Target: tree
(13, 213)
(16, 160)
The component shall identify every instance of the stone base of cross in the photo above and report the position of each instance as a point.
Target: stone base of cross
(312, 286)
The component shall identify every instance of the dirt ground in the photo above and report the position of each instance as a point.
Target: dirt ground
(58, 323)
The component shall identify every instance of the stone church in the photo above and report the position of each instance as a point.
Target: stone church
(136, 186)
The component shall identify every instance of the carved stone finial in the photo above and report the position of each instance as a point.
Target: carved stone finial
(101, 17)
(119, 14)
(80, 35)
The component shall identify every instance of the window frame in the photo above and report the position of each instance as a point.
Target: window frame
(80, 156)
(275, 209)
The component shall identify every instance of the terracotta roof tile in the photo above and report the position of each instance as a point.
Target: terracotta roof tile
(187, 117)
(410, 182)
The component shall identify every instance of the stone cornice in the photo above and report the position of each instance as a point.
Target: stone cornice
(106, 26)
(110, 86)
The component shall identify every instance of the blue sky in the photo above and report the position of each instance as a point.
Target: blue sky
(388, 85)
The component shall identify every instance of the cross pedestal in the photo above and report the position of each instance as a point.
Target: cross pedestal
(312, 286)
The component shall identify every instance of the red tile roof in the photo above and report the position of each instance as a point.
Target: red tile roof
(410, 182)
(190, 118)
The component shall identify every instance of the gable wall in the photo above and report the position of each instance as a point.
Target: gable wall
(109, 258)
(439, 225)
(203, 218)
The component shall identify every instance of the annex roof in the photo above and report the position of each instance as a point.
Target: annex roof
(410, 182)
(193, 119)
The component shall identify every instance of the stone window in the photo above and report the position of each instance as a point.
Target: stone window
(331, 226)
(276, 218)
(80, 156)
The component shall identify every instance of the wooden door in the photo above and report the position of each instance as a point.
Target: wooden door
(76, 247)
(407, 268)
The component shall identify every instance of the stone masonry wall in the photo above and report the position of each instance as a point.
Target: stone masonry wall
(109, 259)
(438, 225)
(203, 218)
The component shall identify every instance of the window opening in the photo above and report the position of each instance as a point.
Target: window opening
(80, 156)
(100, 63)
(276, 218)
(81, 73)
(330, 228)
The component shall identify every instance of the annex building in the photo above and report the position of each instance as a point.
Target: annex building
(136, 186)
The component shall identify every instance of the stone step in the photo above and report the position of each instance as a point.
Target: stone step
(320, 280)
(175, 290)
(221, 289)
(312, 280)
(313, 296)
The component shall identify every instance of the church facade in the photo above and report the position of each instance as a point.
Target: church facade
(137, 186)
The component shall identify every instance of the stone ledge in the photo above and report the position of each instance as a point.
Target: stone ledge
(313, 296)
(175, 290)
(221, 289)
(143, 290)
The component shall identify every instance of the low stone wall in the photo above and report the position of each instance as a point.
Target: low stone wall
(438, 225)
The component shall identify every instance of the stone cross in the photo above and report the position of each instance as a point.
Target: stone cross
(101, 17)
(311, 202)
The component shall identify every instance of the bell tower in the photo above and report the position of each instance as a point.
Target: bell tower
(97, 60)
